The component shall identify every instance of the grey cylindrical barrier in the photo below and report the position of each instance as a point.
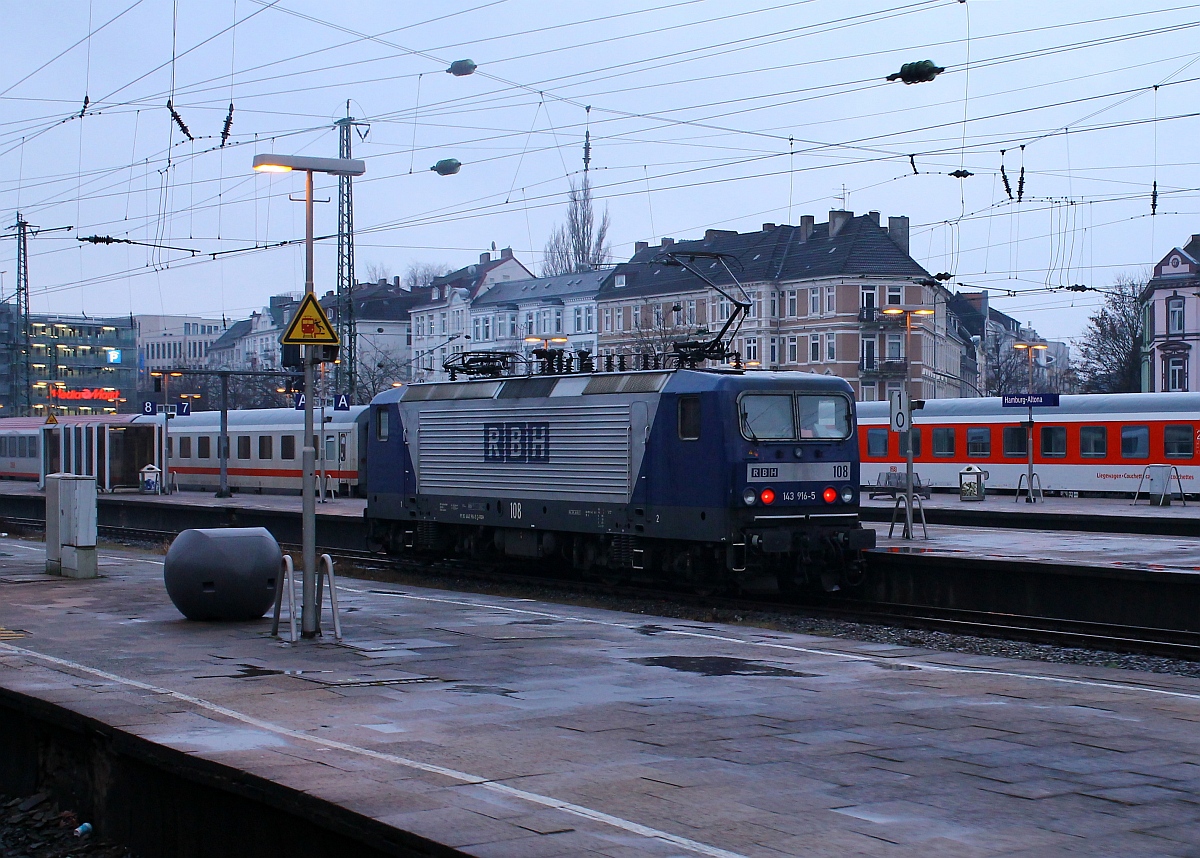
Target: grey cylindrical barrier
(223, 573)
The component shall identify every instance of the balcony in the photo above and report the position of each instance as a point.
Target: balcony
(895, 367)
(876, 317)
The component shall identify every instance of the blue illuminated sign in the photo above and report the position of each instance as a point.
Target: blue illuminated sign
(114, 355)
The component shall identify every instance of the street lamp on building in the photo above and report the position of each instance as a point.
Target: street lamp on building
(1029, 348)
(310, 620)
(907, 435)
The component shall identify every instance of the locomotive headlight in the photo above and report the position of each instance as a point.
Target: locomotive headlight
(768, 496)
(847, 494)
(749, 495)
(829, 495)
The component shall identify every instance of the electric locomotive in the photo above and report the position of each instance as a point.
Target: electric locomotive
(703, 478)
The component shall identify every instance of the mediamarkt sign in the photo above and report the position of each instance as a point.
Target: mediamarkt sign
(86, 393)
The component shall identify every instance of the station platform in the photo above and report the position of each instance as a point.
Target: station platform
(450, 723)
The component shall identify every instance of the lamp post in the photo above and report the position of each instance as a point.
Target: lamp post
(166, 386)
(310, 619)
(908, 313)
(1029, 348)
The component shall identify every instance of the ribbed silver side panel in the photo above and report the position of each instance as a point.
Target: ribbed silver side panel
(590, 453)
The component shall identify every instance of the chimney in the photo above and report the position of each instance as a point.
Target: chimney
(382, 281)
(838, 220)
(396, 282)
(506, 253)
(639, 246)
(667, 242)
(898, 232)
(485, 258)
(806, 226)
(874, 216)
(767, 227)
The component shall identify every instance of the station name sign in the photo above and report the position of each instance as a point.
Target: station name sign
(1030, 400)
(91, 393)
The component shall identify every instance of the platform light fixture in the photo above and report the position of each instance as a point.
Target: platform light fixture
(1029, 347)
(908, 311)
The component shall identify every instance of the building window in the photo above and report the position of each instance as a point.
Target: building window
(895, 343)
(558, 321)
(1179, 441)
(791, 304)
(1174, 315)
(1054, 441)
(979, 441)
(1093, 442)
(608, 326)
(751, 348)
(831, 347)
(774, 351)
(690, 318)
(814, 348)
(658, 316)
(867, 392)
(895, 296)
(867, 297)
(793, 355)
(1177, 374)
(1135, 442)
(589, 319)
(830, 300)
(814, 301)
(774, 304)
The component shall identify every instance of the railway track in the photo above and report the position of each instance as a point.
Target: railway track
(1166, 643)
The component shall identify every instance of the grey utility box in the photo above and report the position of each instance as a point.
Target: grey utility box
(71, 525)
(224, 573)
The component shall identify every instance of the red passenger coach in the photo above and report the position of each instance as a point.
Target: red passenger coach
(1088, 443)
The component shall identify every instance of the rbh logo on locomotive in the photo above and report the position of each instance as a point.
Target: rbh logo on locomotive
(516, 442)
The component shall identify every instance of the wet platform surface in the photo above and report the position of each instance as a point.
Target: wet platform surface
(508, 727)
(1049, 507)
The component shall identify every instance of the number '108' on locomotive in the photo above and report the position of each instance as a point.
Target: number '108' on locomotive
(703, 477)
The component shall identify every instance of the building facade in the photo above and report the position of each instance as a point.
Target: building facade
(816, 293)
(1171, 320)
(253, 344)
(81, 365)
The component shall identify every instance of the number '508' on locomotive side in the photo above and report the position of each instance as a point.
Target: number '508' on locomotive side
(701, 477)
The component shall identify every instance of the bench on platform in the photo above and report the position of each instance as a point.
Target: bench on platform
(891, 483)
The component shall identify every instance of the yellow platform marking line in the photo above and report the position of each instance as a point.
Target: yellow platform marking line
(11, 634)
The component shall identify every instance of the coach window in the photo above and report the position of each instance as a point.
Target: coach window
(1054, 441)
(979, 441)
(1135, 442)
(203, 447)
(243, 446)
(1179, 441)
(22, 447)
(1093, 442)
(915, 434)
(943, 441)
(1015, 441)
(824, 416)
(877, 443)
(287, 446)
(767, 418)
(264, 447)
(33, 446)
(170, 447)
(689, 418)
(381, 424)
(185, 447)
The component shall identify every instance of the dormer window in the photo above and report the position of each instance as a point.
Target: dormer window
(619, 281)
(1175, 315)
(437, 294)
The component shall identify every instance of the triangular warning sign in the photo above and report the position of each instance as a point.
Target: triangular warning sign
(310, 326)
(51, 420)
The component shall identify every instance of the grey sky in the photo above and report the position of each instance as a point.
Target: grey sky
(703, 114)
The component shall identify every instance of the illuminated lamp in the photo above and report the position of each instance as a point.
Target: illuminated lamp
(829, 495)
(767, 496)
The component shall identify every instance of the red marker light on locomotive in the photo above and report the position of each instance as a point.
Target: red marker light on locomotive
(829, 495)
(767, 496)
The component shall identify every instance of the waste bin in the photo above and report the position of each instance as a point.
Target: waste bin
(151, 480)
(970, 483)
(223, 573)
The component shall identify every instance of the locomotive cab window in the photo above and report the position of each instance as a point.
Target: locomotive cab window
(1093, 442)
(381, 424)
(203, 447)
(689, 418)
(877, 443)
(1179, 441)
(1054, 441)
(824, 417)
(1135, 442)
(943, 441)
(768, 417)
(979, 441)
(1015, 441)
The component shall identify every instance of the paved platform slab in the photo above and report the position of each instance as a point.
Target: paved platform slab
(508, 727)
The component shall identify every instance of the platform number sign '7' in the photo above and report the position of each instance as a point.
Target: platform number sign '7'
(898, 411)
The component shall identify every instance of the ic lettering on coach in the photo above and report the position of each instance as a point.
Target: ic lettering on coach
(516, 443)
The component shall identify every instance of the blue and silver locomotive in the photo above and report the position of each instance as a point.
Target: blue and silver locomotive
(704, 478)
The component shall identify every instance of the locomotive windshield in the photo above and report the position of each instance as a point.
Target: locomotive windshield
(782, 417)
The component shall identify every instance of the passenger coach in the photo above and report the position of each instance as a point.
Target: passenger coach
(1089, 443)
(704, 477)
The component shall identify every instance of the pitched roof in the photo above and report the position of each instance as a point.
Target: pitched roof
(232, 334)
(779, 254)
(542, 288)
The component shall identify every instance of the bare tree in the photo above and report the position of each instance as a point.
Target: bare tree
(377, 271)
(264, 391)
(421, 274)
(1008, 372)
(378, 369)
(580, 244)
(1110, 356)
